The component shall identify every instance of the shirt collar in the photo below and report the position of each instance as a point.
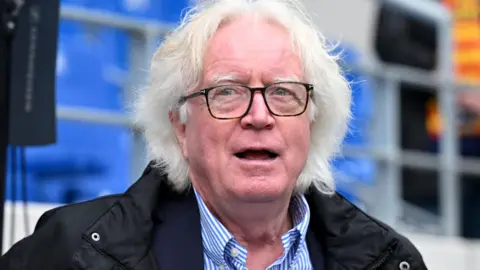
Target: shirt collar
(300, 212)
(215, 236)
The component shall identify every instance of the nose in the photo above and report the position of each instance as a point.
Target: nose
(258, 117)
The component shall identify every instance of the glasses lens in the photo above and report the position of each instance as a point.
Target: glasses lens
(286, 98)
(228, 101)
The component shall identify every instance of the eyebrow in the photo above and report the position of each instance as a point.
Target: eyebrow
(232, 77)
(292, 78)
(222, 78)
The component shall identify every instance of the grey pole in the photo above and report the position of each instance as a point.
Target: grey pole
(384, 200)
(449, 180)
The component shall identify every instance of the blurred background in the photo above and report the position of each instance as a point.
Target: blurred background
(410, 158)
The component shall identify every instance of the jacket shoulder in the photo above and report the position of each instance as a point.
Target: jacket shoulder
(58, 233)
(404, 251)
(356, 240)
(401, 250)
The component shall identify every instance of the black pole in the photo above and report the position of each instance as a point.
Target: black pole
(9, 10)
(4, 106)
(28, 47)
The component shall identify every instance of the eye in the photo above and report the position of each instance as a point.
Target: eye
(227, 92)
(281, 91)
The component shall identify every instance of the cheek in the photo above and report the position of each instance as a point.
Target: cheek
(300, 135)
(205, 138)
(298, 142)
(303, 139)
(195, 140)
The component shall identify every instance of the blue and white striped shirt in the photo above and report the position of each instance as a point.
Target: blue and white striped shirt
(221, 251)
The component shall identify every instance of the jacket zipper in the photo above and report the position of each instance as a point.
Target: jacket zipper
(382, 260)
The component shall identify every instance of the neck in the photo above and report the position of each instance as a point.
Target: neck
(255, 225)
(252, 223)
(258, 227)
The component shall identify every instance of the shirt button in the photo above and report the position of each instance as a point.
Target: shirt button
(234, 252)
(222, 267)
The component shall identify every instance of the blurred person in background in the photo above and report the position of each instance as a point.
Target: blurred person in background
(245, 110)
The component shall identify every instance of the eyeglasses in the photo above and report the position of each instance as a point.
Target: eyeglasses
(234, 100)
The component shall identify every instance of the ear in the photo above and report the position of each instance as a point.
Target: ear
(179, 128)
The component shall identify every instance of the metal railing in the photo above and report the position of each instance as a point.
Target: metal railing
(386, 147)
(387, 130)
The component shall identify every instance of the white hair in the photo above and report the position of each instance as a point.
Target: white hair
(176, 69)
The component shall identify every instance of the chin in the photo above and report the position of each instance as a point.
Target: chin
(261, 190)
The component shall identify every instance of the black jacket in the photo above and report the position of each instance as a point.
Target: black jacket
(152, 227)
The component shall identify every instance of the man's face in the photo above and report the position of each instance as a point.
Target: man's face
(229, 158)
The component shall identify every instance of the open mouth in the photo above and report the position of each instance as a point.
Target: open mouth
(256, 155)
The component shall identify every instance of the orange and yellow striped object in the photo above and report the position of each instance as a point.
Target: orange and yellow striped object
(466, 56)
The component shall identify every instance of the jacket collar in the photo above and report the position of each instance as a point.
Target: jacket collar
(341, 232)
(351, 239)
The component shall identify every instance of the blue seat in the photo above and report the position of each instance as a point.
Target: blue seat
(88, 160)
(79, 3)
(161, 10)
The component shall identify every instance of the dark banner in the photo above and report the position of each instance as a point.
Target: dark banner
(33, 58)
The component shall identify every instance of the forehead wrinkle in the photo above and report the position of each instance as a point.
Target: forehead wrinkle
(283, 68)
(220, 70)
(219, 78)
(239, 65)
(221, 73)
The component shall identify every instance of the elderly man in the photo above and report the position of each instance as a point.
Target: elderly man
(244, 111)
